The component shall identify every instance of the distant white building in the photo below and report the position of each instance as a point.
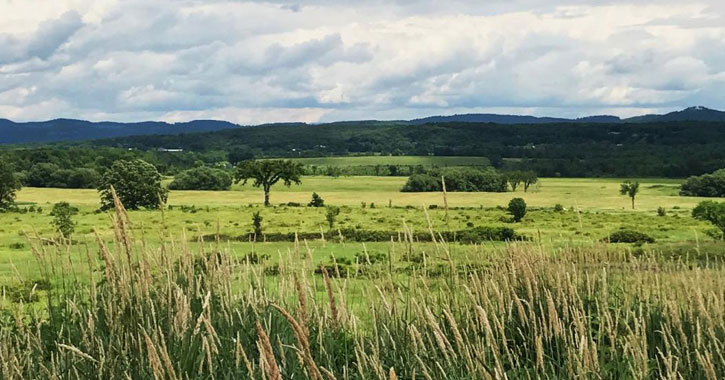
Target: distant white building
(169, 150)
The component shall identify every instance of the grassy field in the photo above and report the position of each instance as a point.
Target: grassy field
(593, 209)
(175, 310)
(588, 194)
(184, 293)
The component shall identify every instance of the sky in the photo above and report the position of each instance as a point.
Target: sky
(253, 62)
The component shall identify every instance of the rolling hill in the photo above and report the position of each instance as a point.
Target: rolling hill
(59, 130)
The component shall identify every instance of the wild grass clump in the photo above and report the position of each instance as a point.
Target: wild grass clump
(170, 313)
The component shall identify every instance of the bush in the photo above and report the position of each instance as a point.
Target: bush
(257, 224)
(62, 214)
(316, 201)
(457, 180)
(331, 215)
(202, 178)
(517, 209)
(629, 236)
(558, 208)
(422, 183)
(708, 185)
(661, 211)
(712, 212)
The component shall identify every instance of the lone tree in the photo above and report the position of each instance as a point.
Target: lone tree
(712, 212)
(62, 214)
(137, 184)
(268, 172)
(517, 209)
(629, 189)
(9, 185)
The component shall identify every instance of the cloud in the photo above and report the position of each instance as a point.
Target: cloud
(322, 60)
(48, 37)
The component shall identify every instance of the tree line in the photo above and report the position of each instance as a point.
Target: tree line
(469, 179)
(673, 149)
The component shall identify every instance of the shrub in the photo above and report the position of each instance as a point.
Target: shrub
(517, 209)
(558, 207)
(331, 215)
(422, 183)
(661, 211)
(316, 201)
(202, 178)
(62, 214)
(257, 224)
(708, 185)
(457, 180)
(629, 236)
(713, 212)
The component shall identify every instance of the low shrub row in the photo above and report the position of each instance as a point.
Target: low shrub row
(473, 235)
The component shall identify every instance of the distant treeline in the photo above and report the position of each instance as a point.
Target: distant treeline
(673, 149)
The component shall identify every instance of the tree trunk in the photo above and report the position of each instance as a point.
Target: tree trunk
(632, 203)
(266, 196)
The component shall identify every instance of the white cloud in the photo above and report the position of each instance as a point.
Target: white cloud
(276, 60)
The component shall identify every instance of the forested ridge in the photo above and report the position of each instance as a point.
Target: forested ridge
(671, 149)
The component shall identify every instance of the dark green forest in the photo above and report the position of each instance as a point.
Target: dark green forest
(672, 149)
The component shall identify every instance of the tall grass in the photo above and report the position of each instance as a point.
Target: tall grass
(170, 313)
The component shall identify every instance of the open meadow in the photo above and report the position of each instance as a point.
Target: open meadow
(402, 278)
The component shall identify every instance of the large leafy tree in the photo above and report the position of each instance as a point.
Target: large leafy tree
(137, 184)
(629, 189)
(9, 185)
(713, 212)
(266, 173)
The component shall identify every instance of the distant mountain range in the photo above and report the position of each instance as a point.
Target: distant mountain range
(78, 130)
(688, 114)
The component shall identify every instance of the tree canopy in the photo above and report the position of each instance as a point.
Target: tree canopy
(137, 184)
(707, 185)
(9, 185)
(266, 173)
(713, 212)
(629, 189)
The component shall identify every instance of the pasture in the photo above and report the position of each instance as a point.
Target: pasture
(572, 304)
(592, 209)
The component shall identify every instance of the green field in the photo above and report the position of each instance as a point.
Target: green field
(574, 304)
(593, 209)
